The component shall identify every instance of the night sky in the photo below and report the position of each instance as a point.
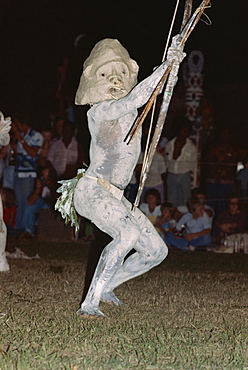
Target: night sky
(35, 35)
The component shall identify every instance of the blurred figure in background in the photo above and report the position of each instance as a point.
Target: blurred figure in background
(222, 159)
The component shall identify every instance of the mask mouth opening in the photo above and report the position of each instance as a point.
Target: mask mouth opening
(117, 92)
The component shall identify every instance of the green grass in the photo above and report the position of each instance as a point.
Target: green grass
(188, 313)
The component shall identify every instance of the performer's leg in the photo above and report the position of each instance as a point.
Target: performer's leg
(150, 251)
(111, 216)
(4, 266)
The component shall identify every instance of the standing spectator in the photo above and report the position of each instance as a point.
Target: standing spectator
(66, 154)
(47, 137)
(154, 178)
(222, 159)
(29, 143)
(57, 128)
(181, 159)
(63, 93)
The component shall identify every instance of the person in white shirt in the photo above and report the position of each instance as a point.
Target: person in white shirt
(151, 206)
(154, 178)
(66, 154)
(181, 159)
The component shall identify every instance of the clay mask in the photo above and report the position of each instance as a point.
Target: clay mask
(108, 73)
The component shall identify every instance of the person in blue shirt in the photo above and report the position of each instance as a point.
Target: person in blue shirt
(165, 222)
(197, 226)
(28, 145)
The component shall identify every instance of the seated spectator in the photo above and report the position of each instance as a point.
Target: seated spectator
(199, 194)
(43, 196)
(151, 207)
(165, 222)
(193, 229)
(9, 208)
(231, 220)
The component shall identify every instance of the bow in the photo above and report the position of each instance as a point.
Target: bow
(188, 24)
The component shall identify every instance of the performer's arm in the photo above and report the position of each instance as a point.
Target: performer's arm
(114, 109)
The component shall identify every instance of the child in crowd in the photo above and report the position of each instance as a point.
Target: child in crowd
(151, 207)
(197, 226)
(165, 222)
(199, 194)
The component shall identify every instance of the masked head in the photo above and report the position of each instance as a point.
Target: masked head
(108, 73)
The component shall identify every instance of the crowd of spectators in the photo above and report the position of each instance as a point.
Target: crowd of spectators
(31, 166)
(187, 217)
(199, 218)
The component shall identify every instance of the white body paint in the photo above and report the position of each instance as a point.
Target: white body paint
(113, 160)
(5, 125)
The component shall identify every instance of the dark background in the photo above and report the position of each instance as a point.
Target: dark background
(35, 35)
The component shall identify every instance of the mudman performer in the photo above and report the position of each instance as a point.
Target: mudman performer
(108, 84)
(5, 126)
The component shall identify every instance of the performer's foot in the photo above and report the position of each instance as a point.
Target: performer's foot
(4, 266)
(90, 312)
(110, 297)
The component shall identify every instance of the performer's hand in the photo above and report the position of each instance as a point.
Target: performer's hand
(5, 124)
(175, 51)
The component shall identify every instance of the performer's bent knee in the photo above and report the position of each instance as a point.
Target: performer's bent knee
(161, 253)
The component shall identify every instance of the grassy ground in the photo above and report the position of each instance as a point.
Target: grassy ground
(188, 313)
